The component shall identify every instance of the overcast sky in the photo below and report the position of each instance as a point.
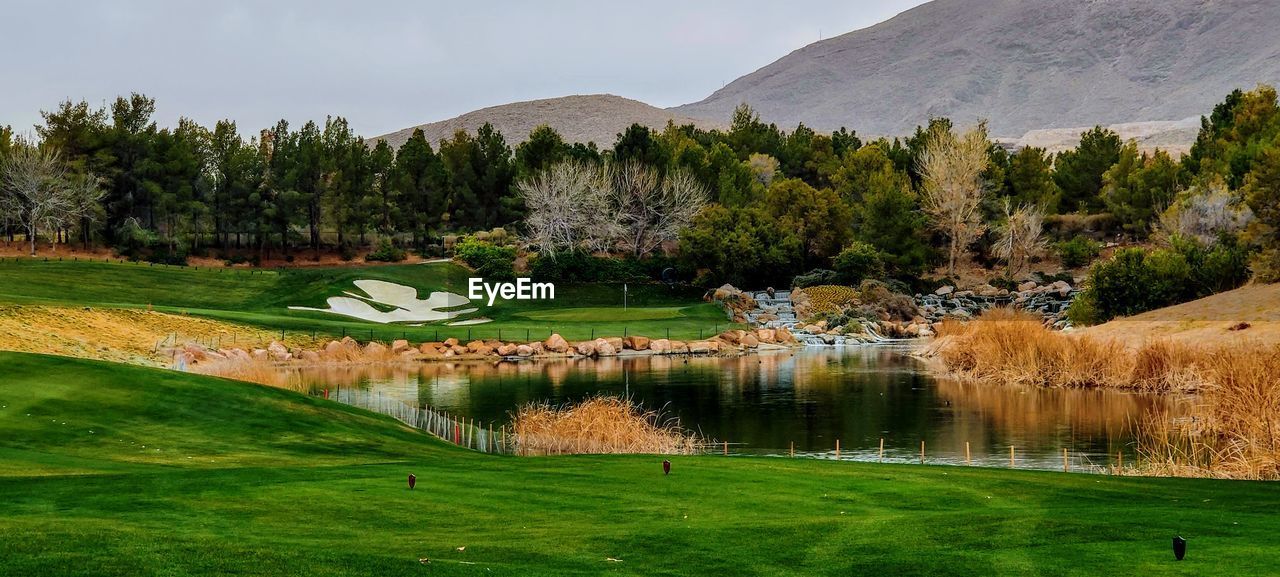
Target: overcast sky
(389, 65)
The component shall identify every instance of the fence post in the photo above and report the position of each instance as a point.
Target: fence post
(922, 452)
(837, 449)
(1010, 456)
(966, 454)
(881, 449)
(793, 448)
(1066, 465)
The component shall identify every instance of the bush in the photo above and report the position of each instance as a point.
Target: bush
(347, 253)
(1135, 281)
(816, 277)
(857, 262)
(581, 267)
(163, 255)
(491, 262)
(1078, 251)
(386, 252)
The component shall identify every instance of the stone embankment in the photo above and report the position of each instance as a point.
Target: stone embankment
(347, 350)
(1049, 301)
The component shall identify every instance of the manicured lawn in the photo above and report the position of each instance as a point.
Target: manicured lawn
(117, 470)
(263, 298)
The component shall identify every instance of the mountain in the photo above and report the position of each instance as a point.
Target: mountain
(595, 118)
(1020, 64)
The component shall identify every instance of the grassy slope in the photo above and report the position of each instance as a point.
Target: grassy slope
(1205, 321)
(252, 480)
(262, 298)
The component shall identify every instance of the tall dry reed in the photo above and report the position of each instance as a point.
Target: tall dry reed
(1228, 426)
(599, 425)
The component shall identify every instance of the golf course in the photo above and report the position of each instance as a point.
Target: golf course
(262, 299)
(109, 469)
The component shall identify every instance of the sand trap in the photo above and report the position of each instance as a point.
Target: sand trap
(408, 308)
(475, 321)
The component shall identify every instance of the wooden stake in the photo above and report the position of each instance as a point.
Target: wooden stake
(1010, 456)
(921, 452)
(1120, 455)
(837, 449)
(967, 461)
(726, 448)
(793, 448)
(1066, 465)
(881, 449)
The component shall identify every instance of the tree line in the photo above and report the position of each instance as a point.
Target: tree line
(752, 203)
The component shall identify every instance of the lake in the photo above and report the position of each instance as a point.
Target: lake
(763, 404)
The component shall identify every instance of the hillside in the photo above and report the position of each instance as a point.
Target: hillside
(1021, 64)
(597, 118)
(1206, 321)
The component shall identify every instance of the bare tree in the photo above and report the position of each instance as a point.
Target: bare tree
(627, 207)
(951, 170)
(1204, 213)
(85, 206)
(34, 190)
(1020, 236)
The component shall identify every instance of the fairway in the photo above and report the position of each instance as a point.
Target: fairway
(117, 470)
(262, 298)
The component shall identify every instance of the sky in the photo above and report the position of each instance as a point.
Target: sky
(387, 65)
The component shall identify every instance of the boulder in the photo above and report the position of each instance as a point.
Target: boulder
(660, 346)
(636, 342)
(587, 348)
(679, 347)
(699, 347)
(506, 350)
(278, 351)
(766, 335)
(524, 350)
(945, 290)
(429, 348)
(475, 346)
(350, 344)
(375, 349)
(537, 348)
(615, 342)
(450, 342)
(334, 349)
(606, 347)
(556, 343)
(260, 355)
(399, 346)
(309, 356)
(750, 341)
(459, 349)
(1026, 286)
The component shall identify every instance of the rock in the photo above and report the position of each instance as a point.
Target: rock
(450, 342)
(945, 290)
(699, 347)
(507, 350)
(660, 346)
(679, 347)
(429, 348)
(278, 351)
(636, 343)
(537, 347)
(605, 347)
(459, 349)
(375, 349)
(1026, 286)
(309, 356)
(399, 346)
(350, 344)
(766, 335)
(260, 354)
(475, 346)
(615, 342)
(750, 341)
(334, 349)
(556, 344)
(409, 354)
(587, 348)
(524, 350)
(1062, 288)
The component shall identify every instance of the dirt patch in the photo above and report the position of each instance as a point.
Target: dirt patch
(1219, 319)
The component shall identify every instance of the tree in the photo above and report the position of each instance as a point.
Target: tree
(567, 205)
(1029, 179)
(652, 208)
(951, 169)
(35, 194)
(741, 245)
(638, 144)
(889, 218)
(1020, 236)
(543, 148)
(423, 182)
(1139, 187)
(818, 214)
(1078, 173)
(1262, 195)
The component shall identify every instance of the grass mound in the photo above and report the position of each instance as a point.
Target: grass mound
(256, 481)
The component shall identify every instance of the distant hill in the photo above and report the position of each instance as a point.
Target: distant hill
(595, 118)
(1174, 137)
(1020, 64)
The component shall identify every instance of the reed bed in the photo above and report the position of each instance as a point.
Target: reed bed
(600, 425)
(261, 372)
(1227, 423)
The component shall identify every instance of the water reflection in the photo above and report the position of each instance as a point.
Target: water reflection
(762, 404)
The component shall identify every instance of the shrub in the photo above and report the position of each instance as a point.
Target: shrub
(581, 267)
(386, 252)
(830, 298)
(857, 262)
(164, 255)
(1078, 251)
(816, 277)
(491, 262)
(347, 253)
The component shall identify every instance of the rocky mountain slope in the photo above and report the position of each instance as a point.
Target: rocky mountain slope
(595, 118)
(1020, 64)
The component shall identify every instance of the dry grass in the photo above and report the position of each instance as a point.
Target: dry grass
(600, 425)
(1228, 424)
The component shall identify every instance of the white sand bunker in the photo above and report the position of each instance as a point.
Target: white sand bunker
(475, 321)
(406, 307)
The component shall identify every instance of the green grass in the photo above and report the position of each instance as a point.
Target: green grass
(241, 479)
(262, 298)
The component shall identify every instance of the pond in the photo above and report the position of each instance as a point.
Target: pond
(763, 404)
